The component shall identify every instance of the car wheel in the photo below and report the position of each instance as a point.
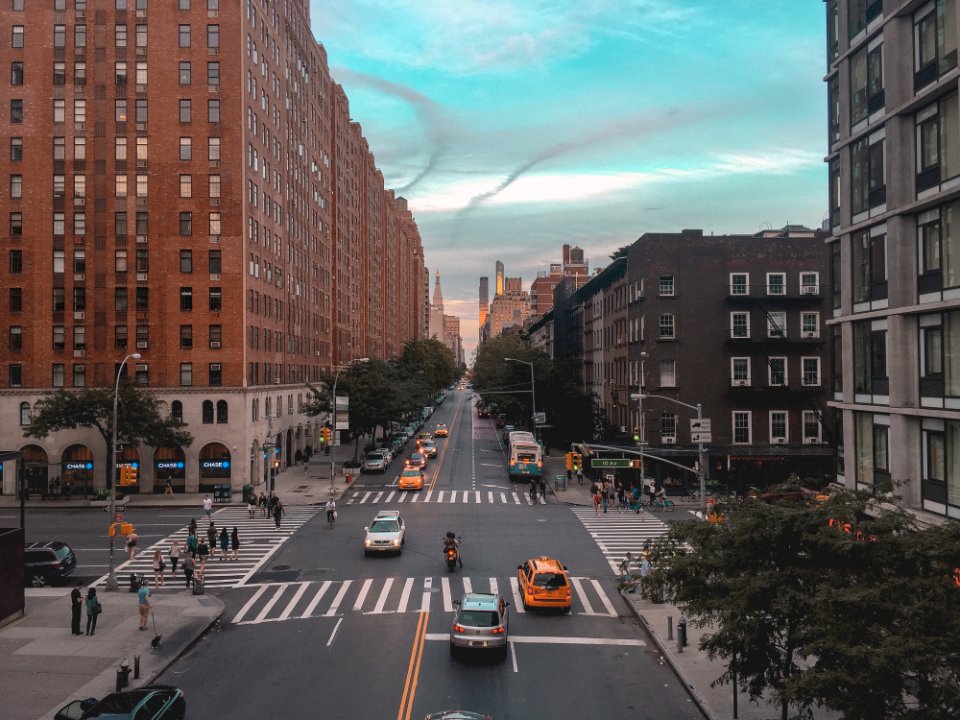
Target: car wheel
(454, 651)
(366, 553)
(503, 652)
(524, 601)
(38, 580)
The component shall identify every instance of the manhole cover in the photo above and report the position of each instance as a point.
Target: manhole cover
(280, 567)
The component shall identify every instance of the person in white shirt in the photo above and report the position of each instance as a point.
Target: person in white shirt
(207, 506)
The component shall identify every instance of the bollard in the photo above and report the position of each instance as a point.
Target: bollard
(136, 667)
(669, 627)
(681, 634)
(123, 675)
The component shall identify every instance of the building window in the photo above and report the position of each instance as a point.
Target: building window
(811, 427)
(666, 286)
(120, 335)
(213, 36)
(206, 412)
(16, 224)
(779, 432)
(141, 374)
(186, 261)
(26, 417)
(59, 337)
(810, 324)
(16, 111)
(176, 409)
(740, 371)
(867, 175)
(186, 224)
(186, 148)
(59, 36)
(869, 265)
(216, 299)
(222, 412)
(777, 368)
(872, 449)
(141, 112)
(16, 149)
(938, 149)
(870, 358)
(216, 336)
(811, 371)
(740, 325)
(183, 36)
(213, 111)
(79, 337)
(668, 373)
(215, 262)
(667, 328)
(15, 375)
(776, 284)
(935, 41)
(57, 375)
(213, 74)
(79, 73)
(120, 260)
(79, 376)
(16, 35)
(120, 73)
(739, 283)
(866, 82)
(186, 186)
(141, 185)
(668, 427)
(16, 186)
(186, 337)
(777, 325)
(16, 73)
(213, 149)
(186, 375)
(184, 73)
(15, 299)
(15, 338)
(120, 35)
(214, 186)
(186, 299)
(120, 299)
(216, 225)
(741, 427)
(15, 262)
(185, 111)
(141, 73)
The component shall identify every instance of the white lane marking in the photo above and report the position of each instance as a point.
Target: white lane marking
(402, 497)
(293, 601)
(390, 496)
(381, 601)
(377, 498)
(477, 495)
(445, 591)
(364, 589)
(557, 640)
(366, 496)
(429, 494)
(440, 496)
(513, 654)
(405, 595)
(575, 581)
(414, 498)
(516, 499)
(334, 633)
(517, 598)
(270, 603)
(425, 600)
(316, 598)
(332, 610)
(467, 585)
(493, 586)
(503, 498)
(603, 598)
(250, 603)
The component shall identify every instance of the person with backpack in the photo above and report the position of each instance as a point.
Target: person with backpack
(224, 544)
(188, 567)
(93, 610)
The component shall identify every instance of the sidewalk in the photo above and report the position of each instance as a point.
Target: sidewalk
(43, 666)
(691, 665)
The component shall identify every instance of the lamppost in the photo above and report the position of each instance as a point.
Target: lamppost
(333, 413)
(533, 394)
(268, 445)
(112, 584)
(702, 472)
(643, 436)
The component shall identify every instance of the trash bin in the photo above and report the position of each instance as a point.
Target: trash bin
(681, 633)
(560, 481)
(123, 675)
(247, 492)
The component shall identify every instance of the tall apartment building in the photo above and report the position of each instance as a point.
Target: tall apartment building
(184, 182)
(509, 308)
(894, 166)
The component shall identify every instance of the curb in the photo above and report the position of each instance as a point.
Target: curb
(182, 651)
(668, 656)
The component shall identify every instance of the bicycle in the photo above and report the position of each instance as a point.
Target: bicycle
(331, 517)
(666, 504)
(623, 506)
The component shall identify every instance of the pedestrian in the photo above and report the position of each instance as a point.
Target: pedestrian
(579, 476)
(132, 544)
(605, 495)
(174, 555)
(76, 605)
(278, 512)
(93, 610)
(569, 476)
(234, 544)
(158, 567)
(271, 504)
(192, 545)
(593, 487)
(596, 503)
(212, 535)
(224, 543)
(203, 552)
(188, 567)
(144, 605)
(68, 486)
(646, 568)
(263, 504)
(252, 504)
(192, 528)
(207, 507)
(305, 464)
(167, 488)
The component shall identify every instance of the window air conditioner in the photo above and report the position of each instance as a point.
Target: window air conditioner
(142, 344)
(740, 383)
(810, 334)
(779, 440)
(809, 290)
(215, 344)
(811, 441)
(668, 440)
(79, 315)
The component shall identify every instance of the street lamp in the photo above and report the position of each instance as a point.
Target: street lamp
(112, 584)
(333, 414)
(533, 394)
(643, 472)
(702, 473)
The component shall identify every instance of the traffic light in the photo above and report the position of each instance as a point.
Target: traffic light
(325, 434)
(569, 458)
(133, 474)
(636, 433)
(123, 475)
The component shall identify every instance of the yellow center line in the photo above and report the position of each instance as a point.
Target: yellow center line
(413, 668)
(443, 452)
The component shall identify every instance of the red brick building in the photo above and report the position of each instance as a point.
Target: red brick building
(183, 181)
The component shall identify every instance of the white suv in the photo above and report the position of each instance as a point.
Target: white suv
(385, 534)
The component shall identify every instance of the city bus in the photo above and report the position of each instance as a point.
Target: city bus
(524, 459)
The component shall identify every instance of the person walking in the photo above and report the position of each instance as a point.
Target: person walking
(144, 605)
(224, 544)
(278, 511)
(605, 495)
(76, 605)
(234, 544)
(168, 488)
(174, 555)
(192, 544)
(579, 476)
(93, 610)
(158, 567)
(263, 504)
(207, 507)
(188, 567)
(252, 505)
(132, 545)
(192, 527)
(212, 536)
(203, 552)
(596, 502)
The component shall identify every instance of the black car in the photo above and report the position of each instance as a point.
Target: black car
(152, 702)
(47, 562)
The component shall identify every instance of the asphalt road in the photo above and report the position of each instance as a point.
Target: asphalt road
(323, 631)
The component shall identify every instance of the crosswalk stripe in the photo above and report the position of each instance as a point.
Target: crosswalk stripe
(617, 534)
(445, 592)
(608, 606)
(382, 600)
(425, 600)
(250, 603)
(316, 599)
(293, 601)
(463, 497)
(270, 603)
(364, 589)
(515, 591)
(575, 581)
(332, 610)
(405, 596)
(467, 585)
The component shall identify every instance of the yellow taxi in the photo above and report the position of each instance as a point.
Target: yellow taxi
(410, 479)
(440, 431)
(544, 583)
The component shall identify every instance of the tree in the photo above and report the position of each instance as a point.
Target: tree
(431, 357)
(139, 418)
(859, 615)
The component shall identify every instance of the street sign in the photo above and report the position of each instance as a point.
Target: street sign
(540, 418)
(342, 413)
(701, 425)
(610, 462)
(701, 437)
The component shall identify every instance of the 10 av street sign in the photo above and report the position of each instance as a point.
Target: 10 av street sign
(610, 462)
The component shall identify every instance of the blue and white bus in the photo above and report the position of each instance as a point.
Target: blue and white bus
(524, 459)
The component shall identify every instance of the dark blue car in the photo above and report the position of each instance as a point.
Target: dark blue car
(153, 702)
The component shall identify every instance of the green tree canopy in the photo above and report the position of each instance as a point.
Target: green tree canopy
(431, 357)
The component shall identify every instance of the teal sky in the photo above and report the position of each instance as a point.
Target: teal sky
(515, 126)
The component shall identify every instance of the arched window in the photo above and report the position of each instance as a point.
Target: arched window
(207, 412)
(255, 409)
(221, 412)
(176, 410)
(25, 416)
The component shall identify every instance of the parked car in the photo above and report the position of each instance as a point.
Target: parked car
(410, 479)
(458, 715)
(47, 562)
(544, 583)
(374, 462)
(385, 534)
(152, 702)
(481, 622)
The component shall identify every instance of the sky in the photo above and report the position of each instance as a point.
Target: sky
(513, 127)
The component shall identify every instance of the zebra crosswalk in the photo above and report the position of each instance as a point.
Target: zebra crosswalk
(277, 602)
(259, 539)
(619, 533)
(361, 496)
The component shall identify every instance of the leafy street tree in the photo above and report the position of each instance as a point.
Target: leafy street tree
(432, 358)
(140, 417)
(842, 604)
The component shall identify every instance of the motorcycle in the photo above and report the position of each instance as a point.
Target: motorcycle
(451, 551)
(451, 555)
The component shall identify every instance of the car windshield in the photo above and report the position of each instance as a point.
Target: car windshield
(384, 526)
(416, 456)
(411, 472)
(375, 457)
(549, 580)
(479, 618)
(62, 552)
(118, 705)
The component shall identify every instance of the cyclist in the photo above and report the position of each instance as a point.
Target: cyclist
(331, 508)
(533, 491)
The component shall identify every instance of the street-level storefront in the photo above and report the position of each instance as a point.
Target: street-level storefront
(36, 469)
(169, 463)
(215, 467)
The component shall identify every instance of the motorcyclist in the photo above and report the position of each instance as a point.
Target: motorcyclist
(452, 541)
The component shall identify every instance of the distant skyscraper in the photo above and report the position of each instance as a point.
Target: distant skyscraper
(484, 304)
(499, 278)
